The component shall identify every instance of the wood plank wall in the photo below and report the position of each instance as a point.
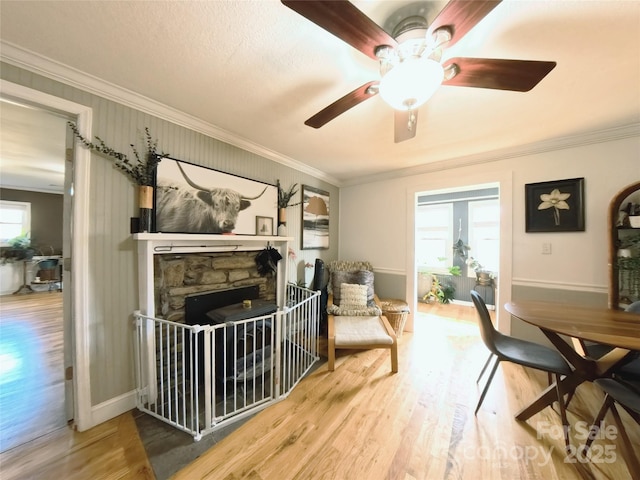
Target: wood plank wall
(112, 201)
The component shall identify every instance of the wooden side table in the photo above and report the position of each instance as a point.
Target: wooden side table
(396, 312)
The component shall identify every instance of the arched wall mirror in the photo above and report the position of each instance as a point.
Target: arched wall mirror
(624, 247)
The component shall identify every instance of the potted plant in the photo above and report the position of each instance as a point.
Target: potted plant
(284, 201)
(442, 292)
(19, 249)
(140, 171)
(483, 276)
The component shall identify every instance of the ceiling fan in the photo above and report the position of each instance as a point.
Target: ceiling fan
(410, 58)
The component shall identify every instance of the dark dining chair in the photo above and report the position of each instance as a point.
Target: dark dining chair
(484, 368)
(520, 352)
(627, 395)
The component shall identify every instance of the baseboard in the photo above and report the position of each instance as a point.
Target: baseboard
(112, 408)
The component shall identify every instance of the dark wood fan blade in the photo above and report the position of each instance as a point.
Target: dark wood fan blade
(405, 124)
(515, 75)
(460, 16)
(341, 105)
(345, 21)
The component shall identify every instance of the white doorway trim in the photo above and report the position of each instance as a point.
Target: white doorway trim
(79, 250)
(504, 179)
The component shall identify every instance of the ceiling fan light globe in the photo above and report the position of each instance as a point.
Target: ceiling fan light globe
(411, 83)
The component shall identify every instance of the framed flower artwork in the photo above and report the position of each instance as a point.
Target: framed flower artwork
(556, 206)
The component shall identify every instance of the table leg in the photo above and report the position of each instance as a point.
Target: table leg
(583, 365)
(549, 395)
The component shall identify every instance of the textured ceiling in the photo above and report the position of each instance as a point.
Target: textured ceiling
(258, 70)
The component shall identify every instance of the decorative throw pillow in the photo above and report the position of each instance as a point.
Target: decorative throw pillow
(353, 295)
(346, 266)
(361, 277)
(354, 312)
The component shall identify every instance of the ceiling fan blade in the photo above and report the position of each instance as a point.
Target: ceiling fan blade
(515, 75)
(345, 21)
(460, 16)
(343, 104)
(405, 124)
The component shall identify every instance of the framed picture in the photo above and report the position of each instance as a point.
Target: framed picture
(315, 218)
(556, 206)
(264, 226)
(193, 199)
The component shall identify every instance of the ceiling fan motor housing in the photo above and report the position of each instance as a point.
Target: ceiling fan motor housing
(412, 72)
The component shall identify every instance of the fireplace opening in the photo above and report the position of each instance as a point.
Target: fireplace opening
(198, 305)
(242, 348)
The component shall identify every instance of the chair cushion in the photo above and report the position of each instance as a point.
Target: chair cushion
(361, 277)
(355, 331)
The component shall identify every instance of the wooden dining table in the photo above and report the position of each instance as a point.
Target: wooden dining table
(567, 326)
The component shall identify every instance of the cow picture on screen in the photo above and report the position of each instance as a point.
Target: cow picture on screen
(194, 199)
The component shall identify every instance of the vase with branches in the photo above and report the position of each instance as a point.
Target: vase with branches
(140, 170)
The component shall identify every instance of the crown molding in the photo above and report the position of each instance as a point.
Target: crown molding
(560, 143)
(38, 64)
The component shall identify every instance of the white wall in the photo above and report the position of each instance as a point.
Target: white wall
(376, 221)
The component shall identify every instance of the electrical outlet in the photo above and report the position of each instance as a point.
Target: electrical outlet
(546, 249)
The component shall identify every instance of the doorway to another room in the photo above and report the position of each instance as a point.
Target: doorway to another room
(457, 249)
(36, 391)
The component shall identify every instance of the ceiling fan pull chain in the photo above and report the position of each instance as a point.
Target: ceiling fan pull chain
(412, 120)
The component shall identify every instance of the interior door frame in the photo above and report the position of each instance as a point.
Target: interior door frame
(79, 343)
(504, 180)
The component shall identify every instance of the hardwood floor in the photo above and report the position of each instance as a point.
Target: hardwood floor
(112, 450)
(31, 368)
(35, 439)
(362, 422)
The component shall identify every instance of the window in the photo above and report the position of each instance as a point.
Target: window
(484, 233)
(15, 219)
(434, 236)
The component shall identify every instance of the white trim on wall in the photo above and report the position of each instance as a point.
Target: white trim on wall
(113, 407)
(82, 414)
(389, 271)
(579, 287)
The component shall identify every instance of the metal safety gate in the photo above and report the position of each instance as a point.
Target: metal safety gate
(200, 378)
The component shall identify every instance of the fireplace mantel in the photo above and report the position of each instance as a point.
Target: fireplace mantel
(150, 244)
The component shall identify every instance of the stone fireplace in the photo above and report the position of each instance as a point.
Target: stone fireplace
(201, 376)
(175, 266)
(178, 276)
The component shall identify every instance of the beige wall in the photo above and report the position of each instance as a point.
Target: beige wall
(46, 218)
